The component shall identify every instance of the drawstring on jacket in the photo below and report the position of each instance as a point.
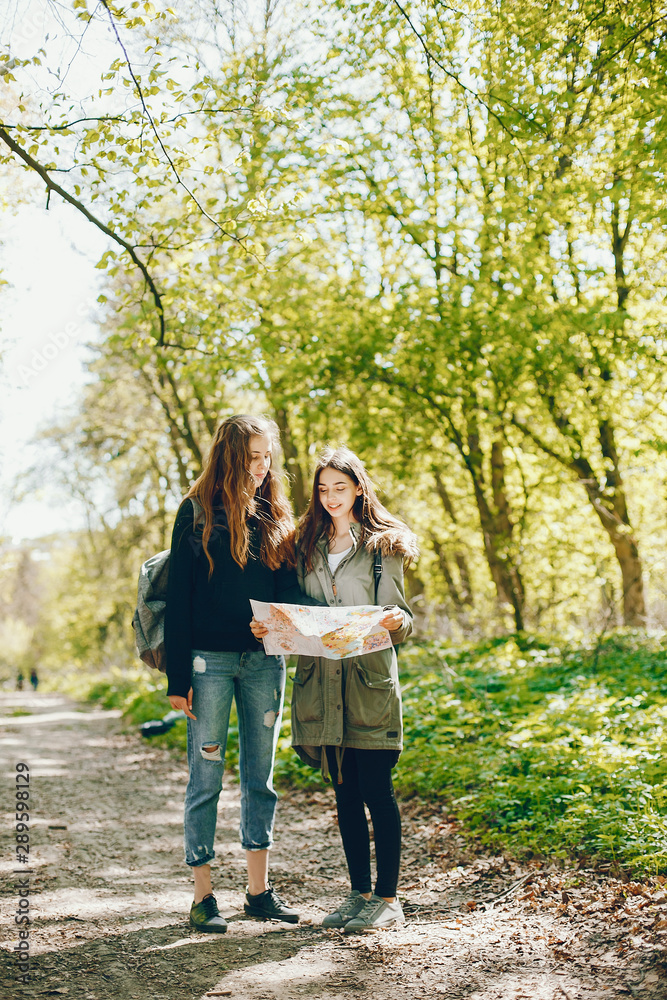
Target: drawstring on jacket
(340, 753)
(326, 773)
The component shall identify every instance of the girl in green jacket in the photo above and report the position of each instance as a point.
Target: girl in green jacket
(346, 714)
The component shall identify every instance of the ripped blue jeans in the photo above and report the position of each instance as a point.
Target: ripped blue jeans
(257, 684)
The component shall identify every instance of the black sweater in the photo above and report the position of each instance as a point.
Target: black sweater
(215, 614)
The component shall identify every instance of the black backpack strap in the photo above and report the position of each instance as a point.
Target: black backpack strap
(377, 571)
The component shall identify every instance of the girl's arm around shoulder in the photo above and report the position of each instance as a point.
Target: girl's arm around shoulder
(391, 591)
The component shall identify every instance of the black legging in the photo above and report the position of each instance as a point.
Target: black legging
(367, 779)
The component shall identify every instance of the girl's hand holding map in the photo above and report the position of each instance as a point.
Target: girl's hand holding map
(258, 629)
(392, 621)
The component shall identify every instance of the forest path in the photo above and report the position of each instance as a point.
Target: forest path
(110, 895)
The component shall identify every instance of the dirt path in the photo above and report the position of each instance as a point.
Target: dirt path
(109, 894)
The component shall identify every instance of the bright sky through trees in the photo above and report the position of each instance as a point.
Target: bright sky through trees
(47, 318)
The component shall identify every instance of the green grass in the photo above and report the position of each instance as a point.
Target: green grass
(544, 749)
(538, 748)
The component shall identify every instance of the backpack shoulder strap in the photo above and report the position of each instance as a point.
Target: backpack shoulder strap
(377, 571)
(197, 511)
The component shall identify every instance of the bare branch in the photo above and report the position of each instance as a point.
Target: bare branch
(66, 125)
(468, 90)
(162, 146)
(606, 57)
(122, 119)
(80, 207)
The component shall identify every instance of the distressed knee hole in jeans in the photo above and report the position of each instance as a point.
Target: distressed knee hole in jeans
(211, 751)
(269, 719)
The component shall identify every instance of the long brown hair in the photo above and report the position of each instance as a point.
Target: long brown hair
(379, 528)
(226, 481)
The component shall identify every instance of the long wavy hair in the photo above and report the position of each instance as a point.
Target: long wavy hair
(379, 529)
(226, 481)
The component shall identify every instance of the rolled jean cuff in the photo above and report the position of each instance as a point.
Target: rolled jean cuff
(255, 849)
(200, 861)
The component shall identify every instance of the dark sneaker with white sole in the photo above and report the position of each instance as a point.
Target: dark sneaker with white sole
(205, 916)
(348, 909)
(269, 906)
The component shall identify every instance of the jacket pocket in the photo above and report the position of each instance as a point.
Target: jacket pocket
(307, 693)
(369, 698)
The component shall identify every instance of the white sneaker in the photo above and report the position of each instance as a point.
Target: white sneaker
(376, 912)
(348, 909)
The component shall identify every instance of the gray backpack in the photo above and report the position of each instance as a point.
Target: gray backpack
(148, 619)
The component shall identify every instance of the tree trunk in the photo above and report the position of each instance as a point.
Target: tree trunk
(292, 463)
(175, 433)
(464, 591)
(607, 498)
(496, 526)
(611, 508)
(634, 606)
(443, 565)
(610, 504)
(621, 534)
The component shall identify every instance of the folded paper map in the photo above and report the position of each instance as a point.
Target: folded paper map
(332, 632)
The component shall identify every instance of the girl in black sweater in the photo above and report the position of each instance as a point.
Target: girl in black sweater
(241, 547)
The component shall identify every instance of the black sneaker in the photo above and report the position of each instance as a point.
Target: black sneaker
(269, 906)
(205, 916)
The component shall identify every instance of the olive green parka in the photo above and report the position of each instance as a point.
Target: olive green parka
(355, 702)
